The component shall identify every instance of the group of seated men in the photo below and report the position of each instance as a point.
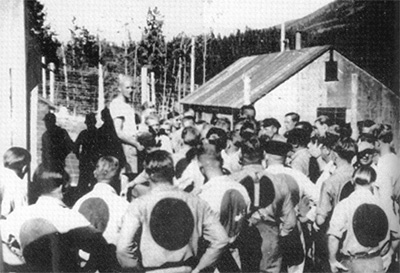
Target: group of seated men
(212, 197)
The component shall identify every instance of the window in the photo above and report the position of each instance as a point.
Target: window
(336, 114)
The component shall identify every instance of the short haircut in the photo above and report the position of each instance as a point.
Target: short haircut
(188, 118)
(384, 133)
(305, 125)
(294, 116)
(209, 156)
(190, 136)
(367, 123)
(364, 175)
(270, 122)
(329, 140)
(298, 137)
(323, 119)
(16, 157)
(370, 138)
(107, 167)
(47, 181)
(159, 166)
(218, 137)
(223, 121)
(151, 117)
(251, 151)
(123, 78)
(248, 130)
(346, 148)
(247, 107)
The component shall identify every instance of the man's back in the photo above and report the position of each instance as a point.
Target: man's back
(172, 222)
(104, 206)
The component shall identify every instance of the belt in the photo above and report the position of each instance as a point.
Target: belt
(362, 255)
(191, 262)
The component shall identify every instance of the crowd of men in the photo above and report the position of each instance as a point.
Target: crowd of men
(186, 195)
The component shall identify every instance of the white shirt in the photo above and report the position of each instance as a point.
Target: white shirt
(306, 187)
(47, 208)
(117, 207)
(213, 191)
(121, 109)
(387, 172)
(13, 191)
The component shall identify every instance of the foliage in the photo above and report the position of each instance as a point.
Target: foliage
(49, 45)
(82, 50)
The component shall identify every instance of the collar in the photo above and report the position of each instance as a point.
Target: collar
(251, 167)
(50, 201)
(104, 187)
(216, 180)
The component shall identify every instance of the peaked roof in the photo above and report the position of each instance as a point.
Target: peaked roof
(266, 71)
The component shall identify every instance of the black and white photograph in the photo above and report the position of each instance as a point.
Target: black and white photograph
(200, 136)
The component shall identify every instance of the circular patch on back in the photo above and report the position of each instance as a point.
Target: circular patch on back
(34, 229)
(171, 223)
(96, 212)
(347, 189)
(370, 225)
(267, 191)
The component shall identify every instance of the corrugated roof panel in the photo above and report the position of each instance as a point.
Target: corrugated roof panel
(266, 72)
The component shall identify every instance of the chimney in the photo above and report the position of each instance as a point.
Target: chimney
(298, 40)
(283, 41)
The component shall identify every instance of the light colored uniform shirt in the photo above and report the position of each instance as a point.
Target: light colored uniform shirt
(153, 255)
(117, 207)
(213, 191)
(342, 221)
(120, 109)
(13, 191)
(47, 208)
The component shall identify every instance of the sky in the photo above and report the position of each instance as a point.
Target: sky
(113, 19)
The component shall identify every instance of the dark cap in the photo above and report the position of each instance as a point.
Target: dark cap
(276, 147)
(218, 137)
(49, 117)
(270, 122)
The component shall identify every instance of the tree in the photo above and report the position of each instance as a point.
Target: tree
(49, 45)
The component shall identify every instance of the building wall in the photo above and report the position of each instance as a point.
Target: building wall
(13, 93)
(307, 90)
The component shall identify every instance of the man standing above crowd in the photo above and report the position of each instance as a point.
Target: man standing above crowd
(123, 115)
(171, 223)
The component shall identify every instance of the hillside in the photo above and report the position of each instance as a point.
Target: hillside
(364, 31)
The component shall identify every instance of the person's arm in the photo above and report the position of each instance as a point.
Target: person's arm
(125, 138)
(333, 247)
(288, 216)
(215, 233)
(126, 246)
(325, 204)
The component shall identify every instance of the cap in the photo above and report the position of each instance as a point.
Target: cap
(218, 137)
(49, 117)
(270, 122)
(276, 147)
